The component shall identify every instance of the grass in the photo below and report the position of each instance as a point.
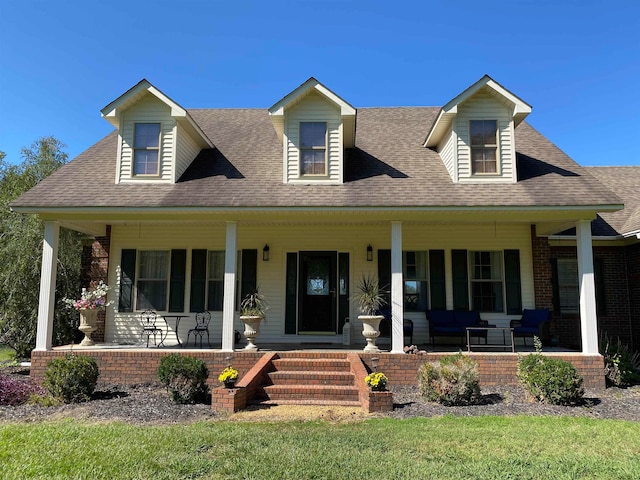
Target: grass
(6, 353)
(446, 447)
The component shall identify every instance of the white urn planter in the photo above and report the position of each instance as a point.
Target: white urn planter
(251, 330)
(371, 331)
(88, 318)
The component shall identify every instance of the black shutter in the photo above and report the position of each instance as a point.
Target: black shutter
(437, 280)
(249, 273)
(460, 280)
(198, 280)
(555, 285)
(127, 280)
(601, 301)
(512, 281)
(384, 274)
(177, 280)
(291, 294)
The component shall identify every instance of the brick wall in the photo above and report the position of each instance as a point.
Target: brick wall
(135, 366)
(633, 274)
(616, 318)
(95, 267)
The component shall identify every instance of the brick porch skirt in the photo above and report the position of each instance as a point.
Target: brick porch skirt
(135, 366)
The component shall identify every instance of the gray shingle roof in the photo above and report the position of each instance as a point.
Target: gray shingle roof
(388, 167)
(625, 181)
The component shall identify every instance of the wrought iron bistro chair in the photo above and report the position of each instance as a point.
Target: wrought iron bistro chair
(202, 327)
(148, 319)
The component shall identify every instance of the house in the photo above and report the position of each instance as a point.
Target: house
(459, 207)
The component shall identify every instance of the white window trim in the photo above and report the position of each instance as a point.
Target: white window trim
(167, 279)
(498, 172)
(472, 281)
(158, 174)
(325, 148)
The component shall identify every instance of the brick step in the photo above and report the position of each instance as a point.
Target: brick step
(312, 392)
(312, 364)
(340, 403)
(302, 377)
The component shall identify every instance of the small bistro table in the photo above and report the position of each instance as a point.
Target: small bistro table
(177, 318)
(487, 345)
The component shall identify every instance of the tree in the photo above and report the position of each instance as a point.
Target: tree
(21, 239)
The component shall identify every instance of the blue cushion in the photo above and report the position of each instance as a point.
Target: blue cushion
(533, 318)
(467, 319)
(452, 329)
(526, 330)
(441, 317)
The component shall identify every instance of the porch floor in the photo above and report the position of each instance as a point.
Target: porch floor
(313, 347)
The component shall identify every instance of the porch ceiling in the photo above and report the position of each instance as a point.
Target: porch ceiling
(548, 220)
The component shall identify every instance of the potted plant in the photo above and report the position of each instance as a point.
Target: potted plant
(377, 381)
(252, 312)
(89, 303)
(229, 377)
(370, 298)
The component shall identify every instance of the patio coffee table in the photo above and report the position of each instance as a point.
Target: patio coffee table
(488, 345)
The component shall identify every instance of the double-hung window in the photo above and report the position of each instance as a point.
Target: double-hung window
(153, 275)
(568, 290)
(146, 149)
(215, 280)
(484, 146)
(486, 281)
(415, 280)
(313, 148)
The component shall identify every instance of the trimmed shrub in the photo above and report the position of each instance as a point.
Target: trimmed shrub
(621, 365)
(16, 392)
(72, 378)
(550, 380)
(454, 380)
(185, 377)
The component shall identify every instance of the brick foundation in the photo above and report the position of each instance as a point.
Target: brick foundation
(140, 365)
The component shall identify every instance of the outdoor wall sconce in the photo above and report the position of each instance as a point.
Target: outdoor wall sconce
(369, 253)
(374, 363)
(265, 253)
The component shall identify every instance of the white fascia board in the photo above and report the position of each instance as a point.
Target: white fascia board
(586, 209)
(112, 111)
(520, 110)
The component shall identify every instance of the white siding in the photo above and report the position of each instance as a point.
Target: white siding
(186, 151)
(484, 107)
(124, 327)
(313, 108)
(448, 154)
(147, 110)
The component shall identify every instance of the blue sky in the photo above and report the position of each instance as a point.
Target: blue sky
(576, 62)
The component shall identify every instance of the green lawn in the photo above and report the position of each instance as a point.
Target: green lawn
(448, 447)
(6, 353)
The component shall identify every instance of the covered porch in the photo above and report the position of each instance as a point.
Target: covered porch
(416, 252)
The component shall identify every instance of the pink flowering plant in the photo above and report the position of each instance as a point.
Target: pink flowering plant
(90, 299)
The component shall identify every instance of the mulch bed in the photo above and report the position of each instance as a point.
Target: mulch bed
(151, 404)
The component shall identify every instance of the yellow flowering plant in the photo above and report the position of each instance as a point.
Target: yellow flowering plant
(376, 380)
(228, 375)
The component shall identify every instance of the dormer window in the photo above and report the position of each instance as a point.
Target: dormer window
(484, 146)
(146, 149)
(313, 148)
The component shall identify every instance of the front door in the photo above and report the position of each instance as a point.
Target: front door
(318, 296)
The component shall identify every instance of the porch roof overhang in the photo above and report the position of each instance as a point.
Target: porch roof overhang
(549, 220)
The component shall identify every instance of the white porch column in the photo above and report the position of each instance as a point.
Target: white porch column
(47, 299)
(588, 317)
(397, 304)
(229, 304)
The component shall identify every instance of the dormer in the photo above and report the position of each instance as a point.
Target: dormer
(157, 138)
(475, 133)
(315, 126)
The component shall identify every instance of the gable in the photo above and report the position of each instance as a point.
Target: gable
(180, 138)
(484, 101)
